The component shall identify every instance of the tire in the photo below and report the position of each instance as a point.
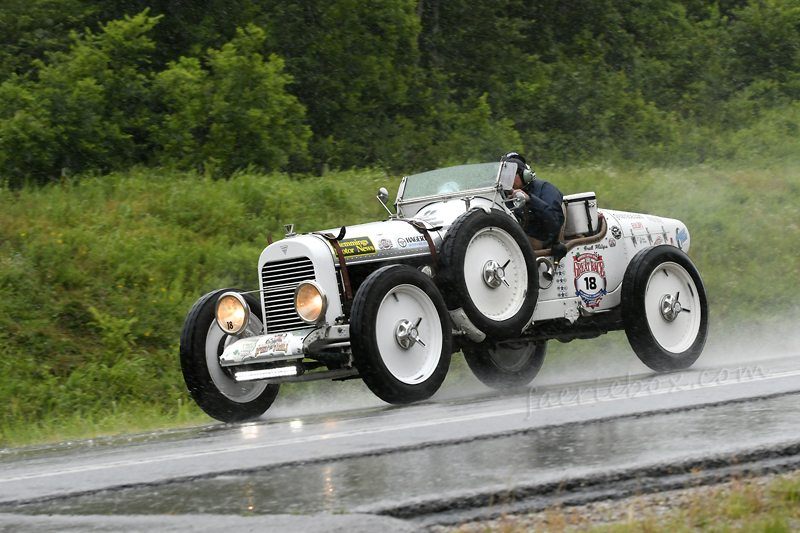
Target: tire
(507, 365)
(475, 239)
(388, 297)
(663, 335)
(211, 386)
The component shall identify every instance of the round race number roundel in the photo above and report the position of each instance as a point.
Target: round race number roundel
(590, 278)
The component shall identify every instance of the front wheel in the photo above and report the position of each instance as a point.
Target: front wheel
(507, 365)
(400, 334)
(212, 387)
(664, 308)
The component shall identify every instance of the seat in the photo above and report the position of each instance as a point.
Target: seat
(579, 240)
(539, 245)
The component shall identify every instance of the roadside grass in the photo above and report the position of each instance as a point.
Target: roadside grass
(744, 504)
(96, 278)
(111, 420)
(97, 275)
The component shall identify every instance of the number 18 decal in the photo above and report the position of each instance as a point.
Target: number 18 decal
(590, 278)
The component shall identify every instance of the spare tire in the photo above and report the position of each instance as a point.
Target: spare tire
(488, 268)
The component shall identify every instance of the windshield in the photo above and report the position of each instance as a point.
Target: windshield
(451, 179)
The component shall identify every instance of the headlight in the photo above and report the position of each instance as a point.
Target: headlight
(233, 313)
(310, 301)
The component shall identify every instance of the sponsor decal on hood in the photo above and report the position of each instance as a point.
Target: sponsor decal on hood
(357, 246)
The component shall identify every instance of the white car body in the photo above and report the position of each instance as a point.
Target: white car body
(379, 242)
(609, 279)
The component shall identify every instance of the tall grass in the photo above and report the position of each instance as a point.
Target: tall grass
(96, 278)
(97, 275)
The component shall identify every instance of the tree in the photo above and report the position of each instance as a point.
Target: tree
(353, 62)
(232, 112)
(186, 28)
(83, 109)
(30, 30)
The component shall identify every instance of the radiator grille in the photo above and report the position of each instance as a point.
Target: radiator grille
(279, 279)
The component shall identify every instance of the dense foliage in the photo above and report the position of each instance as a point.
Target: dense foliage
(218, 86)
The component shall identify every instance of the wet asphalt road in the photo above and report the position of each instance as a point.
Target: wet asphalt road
(373, 458)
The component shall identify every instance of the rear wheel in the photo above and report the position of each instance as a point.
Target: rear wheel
(665, 308)
(507, 365)
(212, 387)
(400, 334)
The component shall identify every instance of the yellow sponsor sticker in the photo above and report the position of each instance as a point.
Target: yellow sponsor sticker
(357, 246)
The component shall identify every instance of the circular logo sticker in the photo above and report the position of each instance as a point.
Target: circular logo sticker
(590, 278)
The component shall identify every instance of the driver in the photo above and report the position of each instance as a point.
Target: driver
(542, 214)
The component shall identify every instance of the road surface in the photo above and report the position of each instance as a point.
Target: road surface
(363, 464)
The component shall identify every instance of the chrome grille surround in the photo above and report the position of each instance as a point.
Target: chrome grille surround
(279, 279)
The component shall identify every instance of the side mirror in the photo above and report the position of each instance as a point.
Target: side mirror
(383, 197)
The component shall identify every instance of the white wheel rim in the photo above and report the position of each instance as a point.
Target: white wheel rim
(243, 392)
(504, 301)
(417, 363)
(675, 334)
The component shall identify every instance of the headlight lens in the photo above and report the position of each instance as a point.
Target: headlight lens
(232, 313)
(310, 302)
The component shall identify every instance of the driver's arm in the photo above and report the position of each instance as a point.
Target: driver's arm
(545, 204)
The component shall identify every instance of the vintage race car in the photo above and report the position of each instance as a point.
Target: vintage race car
(389, 302)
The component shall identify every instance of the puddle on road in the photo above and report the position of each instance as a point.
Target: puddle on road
(538, 456)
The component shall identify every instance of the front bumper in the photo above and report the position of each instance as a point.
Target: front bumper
(285, 346)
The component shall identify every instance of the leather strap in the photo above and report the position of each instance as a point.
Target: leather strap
(420, 227)
(343, 266)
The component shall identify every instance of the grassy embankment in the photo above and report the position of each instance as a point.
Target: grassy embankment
(754, 505)
(96, 276)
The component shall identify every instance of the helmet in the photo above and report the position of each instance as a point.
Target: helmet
(523, 169)
(512, 156)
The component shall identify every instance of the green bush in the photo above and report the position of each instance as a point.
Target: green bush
(234, 115)
(86, 109)
(99, 107)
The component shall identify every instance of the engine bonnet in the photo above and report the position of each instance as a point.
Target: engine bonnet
(379, 241)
